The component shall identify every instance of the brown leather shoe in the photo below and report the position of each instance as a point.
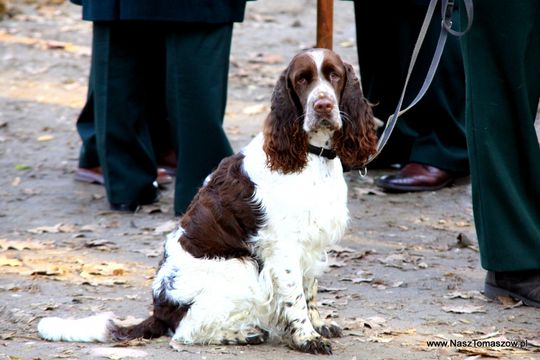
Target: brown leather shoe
(167, 161)
(415, 177)
(95, 176)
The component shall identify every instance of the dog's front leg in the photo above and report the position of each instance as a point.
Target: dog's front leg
(291, 306)
(328, 330)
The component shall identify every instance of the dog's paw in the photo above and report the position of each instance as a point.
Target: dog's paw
(329, 330)
(252, 336)
(317, 345)
(257, 337)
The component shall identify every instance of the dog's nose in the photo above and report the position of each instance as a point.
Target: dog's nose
(323, 105)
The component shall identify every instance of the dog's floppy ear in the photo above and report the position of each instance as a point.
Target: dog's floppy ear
(357, 139)
(285, 141)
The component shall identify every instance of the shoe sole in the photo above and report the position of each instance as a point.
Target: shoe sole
(95, 179)
(405, 188)
(493, 292)
(87, 178)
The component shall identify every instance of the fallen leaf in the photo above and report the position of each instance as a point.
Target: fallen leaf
(43, 138)
(331, 290)
(151, 209)
(465, 309)
(363, 254)
(119, 353)
(397, 284)
(346, 44)
(479, 352)
(534, 342)
(5, 261)
(379, 339)
(103, 269)
(22, 167)
(363, 276)
(393, 260)
(166, 227)
(336, 263)
(8, 336)
(16, 182)
(368, 191)
(374, 322)
(20, 245)
(472, 294)
(48, 270)
(397, 332)
(359, 280)
(506, 300)
(150, 252)
(88, 228)
(134, 342)
(490, 335)
(58, 228)
(255, 109)
(269, 59)
(101, 244)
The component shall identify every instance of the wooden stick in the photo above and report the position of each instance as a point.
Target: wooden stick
(325, 23)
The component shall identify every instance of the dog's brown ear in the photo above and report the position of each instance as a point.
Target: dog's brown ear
(357, 139)
(285, 141)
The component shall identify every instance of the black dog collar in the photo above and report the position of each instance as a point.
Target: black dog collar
(320, 151)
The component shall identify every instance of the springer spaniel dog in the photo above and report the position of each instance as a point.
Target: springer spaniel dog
(244, 261)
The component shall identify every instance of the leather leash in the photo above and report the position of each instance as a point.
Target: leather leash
(447, 7)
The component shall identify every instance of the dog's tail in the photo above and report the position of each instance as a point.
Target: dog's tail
(99, 328)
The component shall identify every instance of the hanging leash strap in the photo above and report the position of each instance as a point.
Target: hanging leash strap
(447, 7)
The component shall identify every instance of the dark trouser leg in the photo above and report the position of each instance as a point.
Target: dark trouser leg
(502, 57)
(120, 84)
(88, 156)
(197, 69)
(433, 132)
(159, 126)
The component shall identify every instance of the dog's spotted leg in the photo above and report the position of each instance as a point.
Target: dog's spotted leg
(291, 306)
(253, 336)
(328, 330)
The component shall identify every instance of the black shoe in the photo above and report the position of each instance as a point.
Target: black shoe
(521, 285)
(149, 198)
(124, 207)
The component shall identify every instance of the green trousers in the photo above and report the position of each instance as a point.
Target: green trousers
(502, 66)
(433, 132)
(185, 64)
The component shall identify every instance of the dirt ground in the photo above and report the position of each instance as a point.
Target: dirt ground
(407, 271)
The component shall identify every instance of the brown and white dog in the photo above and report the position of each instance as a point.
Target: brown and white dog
(243, 263)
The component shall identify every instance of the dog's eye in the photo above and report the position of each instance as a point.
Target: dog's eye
(334, 76)
(301, 81)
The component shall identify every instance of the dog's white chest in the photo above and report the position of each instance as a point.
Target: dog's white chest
(305, 211)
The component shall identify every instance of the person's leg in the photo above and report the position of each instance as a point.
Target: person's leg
(502, 53)
(197, 70)
(88, 156)
(502, 57)
(159, 124)
(121, 112)
(433, 132)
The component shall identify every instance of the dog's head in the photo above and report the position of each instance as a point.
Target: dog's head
(318, 100)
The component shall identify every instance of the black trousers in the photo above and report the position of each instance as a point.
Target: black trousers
(433, 132)
(159, 127)
(184, 64)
